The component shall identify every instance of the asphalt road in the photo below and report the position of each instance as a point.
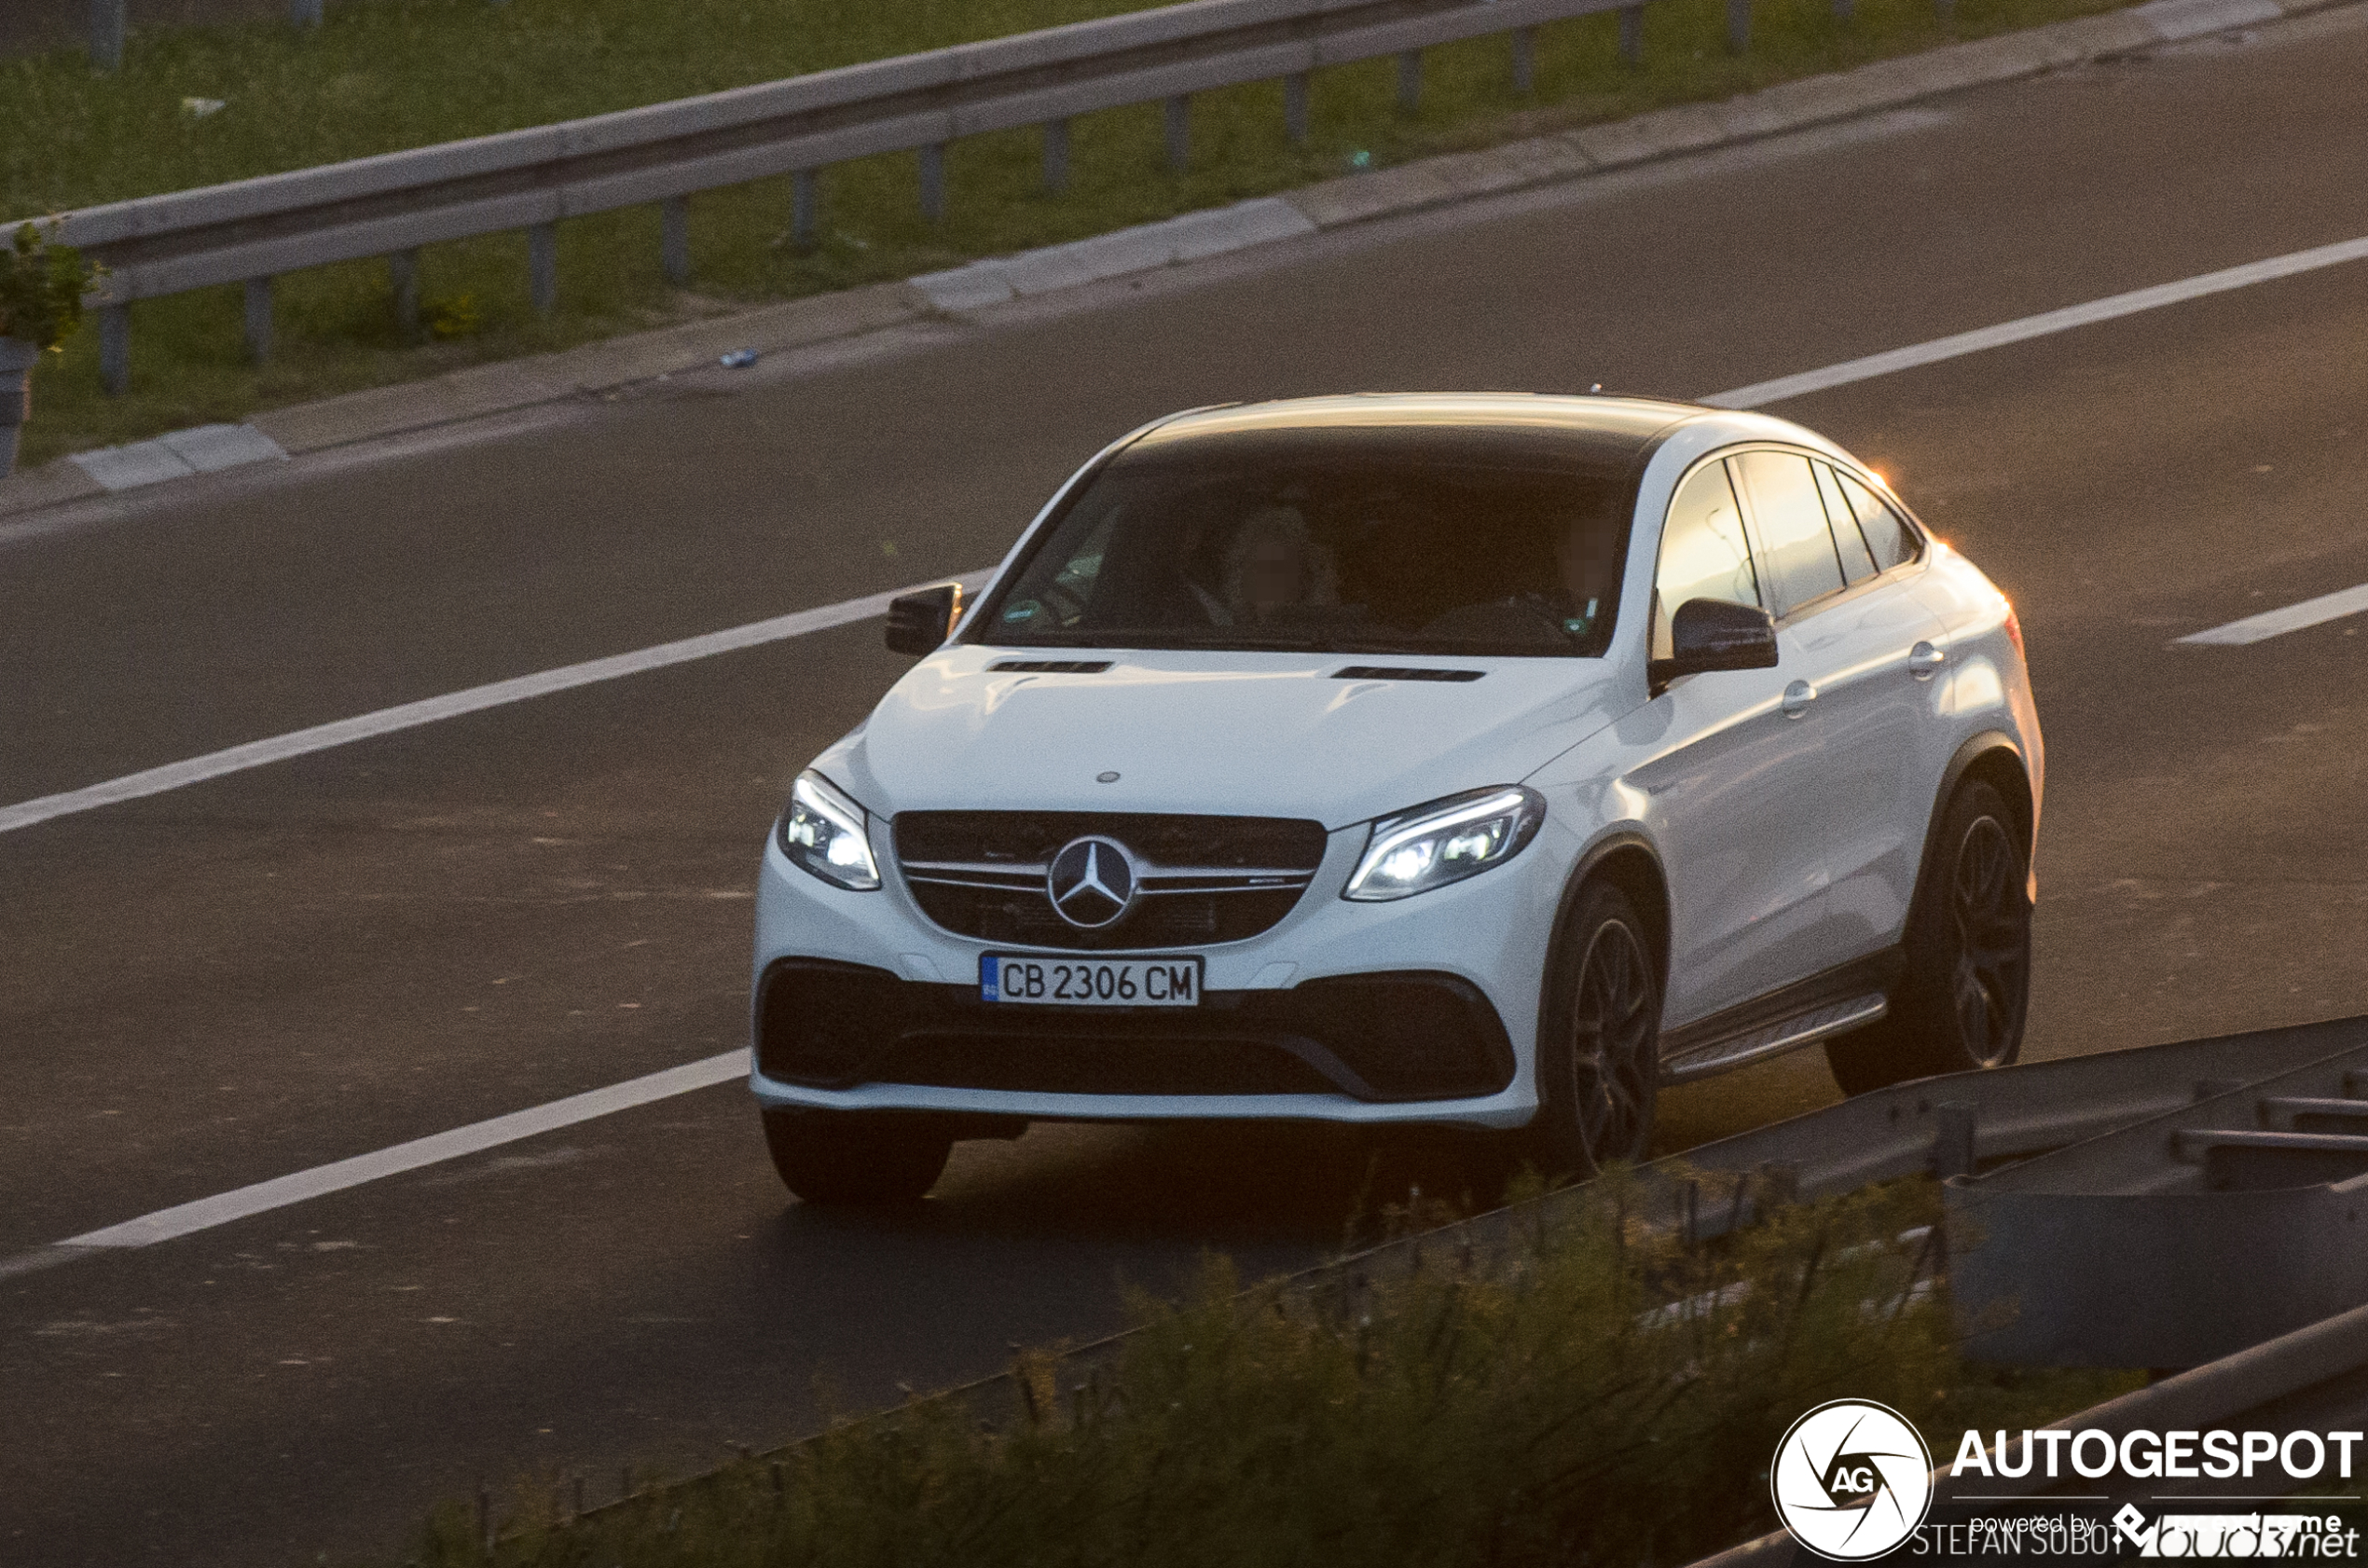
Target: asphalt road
(325, 957)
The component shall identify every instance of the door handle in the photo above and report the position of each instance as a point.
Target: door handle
(1923, 659)
(1798, 696)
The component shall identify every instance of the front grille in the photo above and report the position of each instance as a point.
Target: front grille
(1390, 1037)
(1204, 879)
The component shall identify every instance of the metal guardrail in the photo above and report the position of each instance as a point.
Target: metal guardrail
(250, 230)
(2178, 1240)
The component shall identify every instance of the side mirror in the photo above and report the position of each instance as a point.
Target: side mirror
(920, 623)
(1714, 634)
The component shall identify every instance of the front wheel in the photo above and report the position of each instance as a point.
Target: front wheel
(1961, 1005)
(855, 1157)
(1599, 1043)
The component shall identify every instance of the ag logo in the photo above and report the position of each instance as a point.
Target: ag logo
(1852, 1479)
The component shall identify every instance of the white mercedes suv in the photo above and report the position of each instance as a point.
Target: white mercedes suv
(1486, 761)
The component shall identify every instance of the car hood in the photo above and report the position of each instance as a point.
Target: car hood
(1267, 735)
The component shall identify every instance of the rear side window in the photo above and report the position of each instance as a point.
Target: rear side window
(1704, 554)
(1888, 536)
(1791, 518)
(1858, 563)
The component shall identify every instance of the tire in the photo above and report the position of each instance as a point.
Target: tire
(1962, 1003)
(1597, 1043)
(849, 1158)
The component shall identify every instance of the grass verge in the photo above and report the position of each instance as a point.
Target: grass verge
(1600, 1395)
(393, 73)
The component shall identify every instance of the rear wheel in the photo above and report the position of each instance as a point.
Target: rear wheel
(1961, 1005)
(1598, 1047)
(853, 1157)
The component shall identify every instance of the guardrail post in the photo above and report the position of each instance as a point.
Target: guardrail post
(258, 319)
(1056, 156)
(114, 349)
(1631, 35)
(106, 34)
(1845, 9)
(1410, 81)
(1738, 25)
(1524, 60)
(1945, 9)
(805, 201)
(305, 13)
(1179, 133)
(1295, 108)
(1953, 1138)
(403, 277)
(933, 182)
(543, 267)
(674, 239)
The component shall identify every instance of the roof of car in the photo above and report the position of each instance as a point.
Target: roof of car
(1595, 430)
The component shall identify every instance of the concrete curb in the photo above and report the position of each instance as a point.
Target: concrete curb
(1431, 182)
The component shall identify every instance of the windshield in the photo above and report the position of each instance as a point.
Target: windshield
(1337, 550)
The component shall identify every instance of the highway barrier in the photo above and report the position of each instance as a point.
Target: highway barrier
(2180, 1239)
(249, 231)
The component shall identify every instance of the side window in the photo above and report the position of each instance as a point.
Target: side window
(1704, 554)
(1858, 563)
(1888, 534)
(1801, 563)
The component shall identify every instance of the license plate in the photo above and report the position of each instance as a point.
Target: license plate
(1009, 977)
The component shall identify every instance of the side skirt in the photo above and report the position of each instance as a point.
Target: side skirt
(1819, 1007)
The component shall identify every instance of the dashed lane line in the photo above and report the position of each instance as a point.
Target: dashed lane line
(2276, 623)
(2047, 323)
(184, 1219)
(410, 715)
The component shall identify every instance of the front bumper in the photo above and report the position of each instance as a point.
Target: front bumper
(1420, 1010)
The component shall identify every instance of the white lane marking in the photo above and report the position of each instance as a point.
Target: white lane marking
(1762, 392)
(2275, 622)
(386, 721)
(459, 1143)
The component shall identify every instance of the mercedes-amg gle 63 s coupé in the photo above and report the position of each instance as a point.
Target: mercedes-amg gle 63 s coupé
(1475, 761)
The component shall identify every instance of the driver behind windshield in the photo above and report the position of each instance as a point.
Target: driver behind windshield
(1580, 595)
(1273, 568)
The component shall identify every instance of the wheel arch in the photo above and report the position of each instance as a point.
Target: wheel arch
(1628, 860)
(1996, 759)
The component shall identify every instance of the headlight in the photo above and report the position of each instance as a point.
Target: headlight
(828, 834)
(1445, 842)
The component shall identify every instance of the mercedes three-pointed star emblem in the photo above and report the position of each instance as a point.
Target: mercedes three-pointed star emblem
(1092, 882)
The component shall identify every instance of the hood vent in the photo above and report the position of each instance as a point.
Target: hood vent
(1393, 672)
(1048, 667)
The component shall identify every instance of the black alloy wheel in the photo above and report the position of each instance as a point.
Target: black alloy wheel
(1599, 1067)
(1961, 1004)
(1992, 921)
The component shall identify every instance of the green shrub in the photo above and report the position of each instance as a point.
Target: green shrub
(41, 286)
